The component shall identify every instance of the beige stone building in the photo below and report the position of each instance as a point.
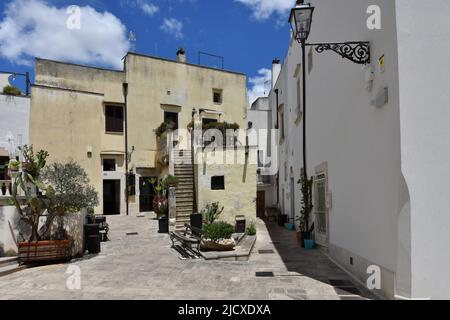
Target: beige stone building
(81, 113)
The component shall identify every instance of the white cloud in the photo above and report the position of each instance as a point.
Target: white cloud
(33, 28)
(263, 9)
(173, 26)
(260, 85)
(148, 8)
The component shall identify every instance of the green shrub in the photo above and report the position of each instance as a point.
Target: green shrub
(211, 213)
(217, 230)
(70, 184)
(170, 180)
(11, 90)
(10, 253)
(164, 127)
(13, 164)
(251, 229)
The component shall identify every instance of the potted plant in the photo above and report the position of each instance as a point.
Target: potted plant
(211, 213)
(13, 168)
(307, 207)
(171, 181)
(11, 90)
(63, 191)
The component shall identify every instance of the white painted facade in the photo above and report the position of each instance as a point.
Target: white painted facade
(260, 117)
(14, 120)
(386, 166)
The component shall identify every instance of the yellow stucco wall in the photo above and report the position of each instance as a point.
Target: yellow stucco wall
(157, 84)
(239, 195)
(81, 78)
(64, 123)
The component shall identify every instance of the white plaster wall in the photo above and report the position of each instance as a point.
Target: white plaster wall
(423, 44)
(359, 142)
(7, 213)
(14, 118)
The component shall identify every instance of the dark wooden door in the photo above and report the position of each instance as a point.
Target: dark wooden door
(145, 195)
(111, 197)
(260, 203)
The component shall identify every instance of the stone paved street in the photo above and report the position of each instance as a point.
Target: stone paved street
(143, 266)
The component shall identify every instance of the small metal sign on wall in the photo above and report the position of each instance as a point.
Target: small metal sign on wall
(382, 64)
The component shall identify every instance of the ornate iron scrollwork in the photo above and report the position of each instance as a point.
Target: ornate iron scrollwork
(358, 52)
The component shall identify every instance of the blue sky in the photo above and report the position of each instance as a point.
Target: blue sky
(248, 33)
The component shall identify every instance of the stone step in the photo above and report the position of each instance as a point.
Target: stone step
(184, 198)
(7, 261)
(185, 193)
(184, 201)
(8, 269)
(184, 211)
(184, 159)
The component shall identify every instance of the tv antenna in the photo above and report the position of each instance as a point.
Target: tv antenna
(132, 40)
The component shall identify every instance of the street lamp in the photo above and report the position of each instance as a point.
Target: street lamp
(300, 19)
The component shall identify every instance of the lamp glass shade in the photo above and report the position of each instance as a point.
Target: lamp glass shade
(300, 19)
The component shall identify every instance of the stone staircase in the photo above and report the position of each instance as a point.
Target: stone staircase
(185, 189)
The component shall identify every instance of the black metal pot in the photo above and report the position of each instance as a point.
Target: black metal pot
(163, 224)
(282, 219)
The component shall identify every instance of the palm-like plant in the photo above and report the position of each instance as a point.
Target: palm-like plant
(211, 213)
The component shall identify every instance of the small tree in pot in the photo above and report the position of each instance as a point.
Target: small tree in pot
(306, 186)
(65, 190)
(71, 192)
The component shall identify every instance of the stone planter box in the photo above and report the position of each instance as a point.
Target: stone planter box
(44, 251)
(215, 246)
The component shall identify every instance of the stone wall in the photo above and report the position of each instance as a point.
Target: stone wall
(239, 195)
(73, 224)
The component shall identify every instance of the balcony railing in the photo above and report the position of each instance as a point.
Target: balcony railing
(5, 188)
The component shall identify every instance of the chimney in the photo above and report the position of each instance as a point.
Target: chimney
(276, 69)
(181, 55)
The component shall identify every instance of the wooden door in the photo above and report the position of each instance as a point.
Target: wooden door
(145, 195)
(111, 197)
(260, 204)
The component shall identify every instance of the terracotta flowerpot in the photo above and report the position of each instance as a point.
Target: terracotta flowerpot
(45, 251)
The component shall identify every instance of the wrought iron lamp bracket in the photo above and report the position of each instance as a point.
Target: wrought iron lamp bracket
(357, 52)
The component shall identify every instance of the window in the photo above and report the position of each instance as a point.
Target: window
(171, 117)
(114, 119)
(217, 96)
(205, 121)
(109, 165)
(218, 183)
(282, 124)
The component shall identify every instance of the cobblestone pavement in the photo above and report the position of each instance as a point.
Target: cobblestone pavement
(143, 266)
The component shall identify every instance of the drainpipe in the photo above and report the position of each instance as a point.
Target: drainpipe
(125, 95)
(27, 84)
(276, 127)
(194, 204)
(276, 107)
